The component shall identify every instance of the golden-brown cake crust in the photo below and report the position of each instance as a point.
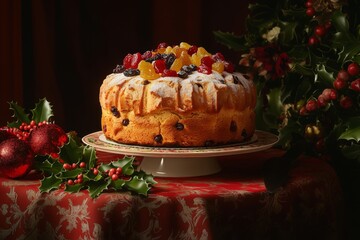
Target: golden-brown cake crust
(201, 110)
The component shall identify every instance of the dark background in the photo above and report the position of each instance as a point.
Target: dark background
(62, 50)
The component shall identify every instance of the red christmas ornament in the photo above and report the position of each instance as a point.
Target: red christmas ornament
(16, 158)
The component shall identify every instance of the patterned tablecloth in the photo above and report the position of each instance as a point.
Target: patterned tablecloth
(232, 204)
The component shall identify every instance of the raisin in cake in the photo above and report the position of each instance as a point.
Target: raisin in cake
(177, 96)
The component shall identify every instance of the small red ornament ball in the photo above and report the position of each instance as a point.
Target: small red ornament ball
(16, 157)
(47, 139)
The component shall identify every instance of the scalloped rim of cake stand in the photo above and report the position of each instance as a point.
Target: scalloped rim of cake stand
(181, 161)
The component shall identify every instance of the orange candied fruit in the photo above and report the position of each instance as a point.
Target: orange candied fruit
(147, 71)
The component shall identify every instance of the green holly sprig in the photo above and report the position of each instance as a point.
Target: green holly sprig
(75, 167)
(319, 43)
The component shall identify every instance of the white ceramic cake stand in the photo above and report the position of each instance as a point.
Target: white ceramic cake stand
(181, 162)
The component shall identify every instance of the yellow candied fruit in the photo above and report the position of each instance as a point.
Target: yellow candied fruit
(177, 51)
(177, 64)
(218, 66)
(202, 52)
(147, 70)
(185, 58)
(185, 45)
(195, 59)
(168, 50)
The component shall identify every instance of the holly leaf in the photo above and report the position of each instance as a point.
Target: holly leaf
(89, 156)
(149, 178)
(72, 151)
(138, 185)
(73, 188)
(352, 151)
(42, 111)
(50, 183)
(343, 40)
(287, 133)
(19, 115)
(70, 173)
(287, 33)
(95, 188)
(352, 131)
(323, 76)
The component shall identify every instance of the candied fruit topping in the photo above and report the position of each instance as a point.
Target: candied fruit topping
(147, 71)
(173, 61)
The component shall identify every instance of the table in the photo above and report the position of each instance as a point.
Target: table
(232, 204)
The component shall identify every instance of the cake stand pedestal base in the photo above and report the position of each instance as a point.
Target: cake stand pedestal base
(180, 167)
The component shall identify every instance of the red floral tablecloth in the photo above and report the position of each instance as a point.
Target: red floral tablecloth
(232, 204)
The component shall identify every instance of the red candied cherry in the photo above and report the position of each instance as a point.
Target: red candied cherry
(132, 60)
(146, 55)
(355, 85)
(310, 11)
(353, 69)
(338, 84)
(204, 69)
(311, 105)
(218, 57)
(343, 75)
(162, 45)
(159, 65)
(320, 30)
(169, 73)
(346, 102)
(193, 49)
(208, 61)
(313, 40)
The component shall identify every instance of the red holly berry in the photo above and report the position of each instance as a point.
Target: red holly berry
(311, 105)
(67, 166)
(327, 25)
(320, 30)
(338, 84)
(321, 101)
(114, 177)
(343, 75)
(353, 69)
(308, 4)
(70, 182)
(346, 102)
(313, 40)
(310, 11)
(82, 165)
(303, 111)
(355, 85)
(96, 171)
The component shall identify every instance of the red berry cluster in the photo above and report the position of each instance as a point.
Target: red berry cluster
(24, 130)
(346, 80)
(320, 30)
(79, 177)
(114, 173)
